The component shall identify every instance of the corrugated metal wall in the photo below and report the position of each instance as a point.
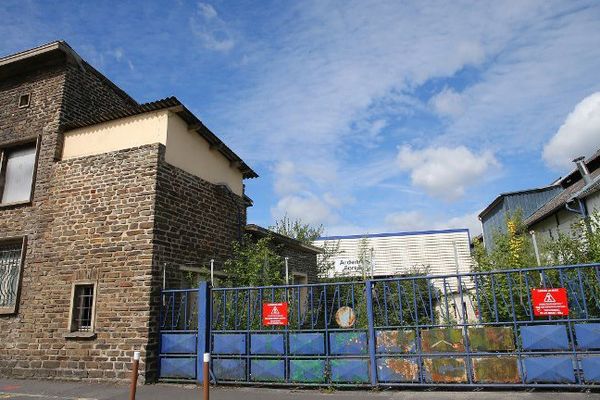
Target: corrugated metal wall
(402, 253)
(528, 203)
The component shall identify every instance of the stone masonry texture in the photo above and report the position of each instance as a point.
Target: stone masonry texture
(115, 219)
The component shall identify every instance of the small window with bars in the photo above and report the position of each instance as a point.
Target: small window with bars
(10, 270)
(82, 313)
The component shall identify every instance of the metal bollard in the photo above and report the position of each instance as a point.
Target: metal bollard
(134, 374)
(205, 375)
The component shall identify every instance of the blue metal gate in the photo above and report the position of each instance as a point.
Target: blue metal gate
(475, 329)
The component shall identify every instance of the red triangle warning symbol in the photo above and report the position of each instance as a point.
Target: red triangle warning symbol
(275, 310)
(549, 298)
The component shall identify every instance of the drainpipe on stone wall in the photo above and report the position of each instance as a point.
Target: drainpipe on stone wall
(212, 272)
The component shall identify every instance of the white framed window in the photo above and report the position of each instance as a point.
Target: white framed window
(17, 171)
(83, 307)
(12, 256)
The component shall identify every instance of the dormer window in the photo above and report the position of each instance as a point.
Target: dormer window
(24, 100)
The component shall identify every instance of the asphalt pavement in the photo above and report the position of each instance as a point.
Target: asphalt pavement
(59, 390)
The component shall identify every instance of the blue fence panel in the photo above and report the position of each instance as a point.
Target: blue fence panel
(349, 370)
(307, 343)
(588, 336)
(591, 368)
(173, 343)
(545, 337)
(458, 329)
(397, 369)
(266, 343)
(229, 369)
(262, 370)
(229, 343)
(552, 369)
(178, 367)
(348, 343)
(307, 371)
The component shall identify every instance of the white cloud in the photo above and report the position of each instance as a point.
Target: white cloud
(407, 221)
(312, 97)
(579, 135)
(469, 221)
(213, 32)
(309, 208)
(445, 172)
(206, 10)
(118, 53)
(286, 178)
(447, 102)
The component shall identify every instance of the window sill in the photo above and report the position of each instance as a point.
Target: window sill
(8, 310)
(80, 335)
(15, 204)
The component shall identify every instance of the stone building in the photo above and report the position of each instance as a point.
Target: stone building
(101, 199)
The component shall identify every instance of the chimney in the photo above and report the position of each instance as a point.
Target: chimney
(585, 174)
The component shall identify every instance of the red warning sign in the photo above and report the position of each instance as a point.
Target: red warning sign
(549, 302)
(275, 314)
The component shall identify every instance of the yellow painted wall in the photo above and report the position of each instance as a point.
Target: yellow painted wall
(185, 149)
(189, 151)
(116, 135)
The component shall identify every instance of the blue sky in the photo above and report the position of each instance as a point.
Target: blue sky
(364, 116)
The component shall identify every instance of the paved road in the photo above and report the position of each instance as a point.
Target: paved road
(51, 390)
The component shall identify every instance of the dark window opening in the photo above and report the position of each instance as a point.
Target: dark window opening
(24, 100)
(83, 302)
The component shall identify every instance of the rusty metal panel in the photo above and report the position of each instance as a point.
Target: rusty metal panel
(496, 369)
(442, 340)
(396, 341)
(491, 338)
(445, 370)
(397, 369)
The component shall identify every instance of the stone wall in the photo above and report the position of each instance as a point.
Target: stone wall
(41, 118)
(300, 261)
(195, 221)
(100, 230)
(115, 219)
(71, 231)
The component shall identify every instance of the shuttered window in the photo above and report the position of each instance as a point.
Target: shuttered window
(10, 270)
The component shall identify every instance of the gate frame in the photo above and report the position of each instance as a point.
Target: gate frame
(205, 310)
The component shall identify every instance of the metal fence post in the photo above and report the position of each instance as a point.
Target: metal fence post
(203, 326)
(371, 323)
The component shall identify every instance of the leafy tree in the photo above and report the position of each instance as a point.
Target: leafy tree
(254, 263)
(502, 294)
(297, 229)
(364, 256)
(326, 260)
(511, 250)
(307, 234)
